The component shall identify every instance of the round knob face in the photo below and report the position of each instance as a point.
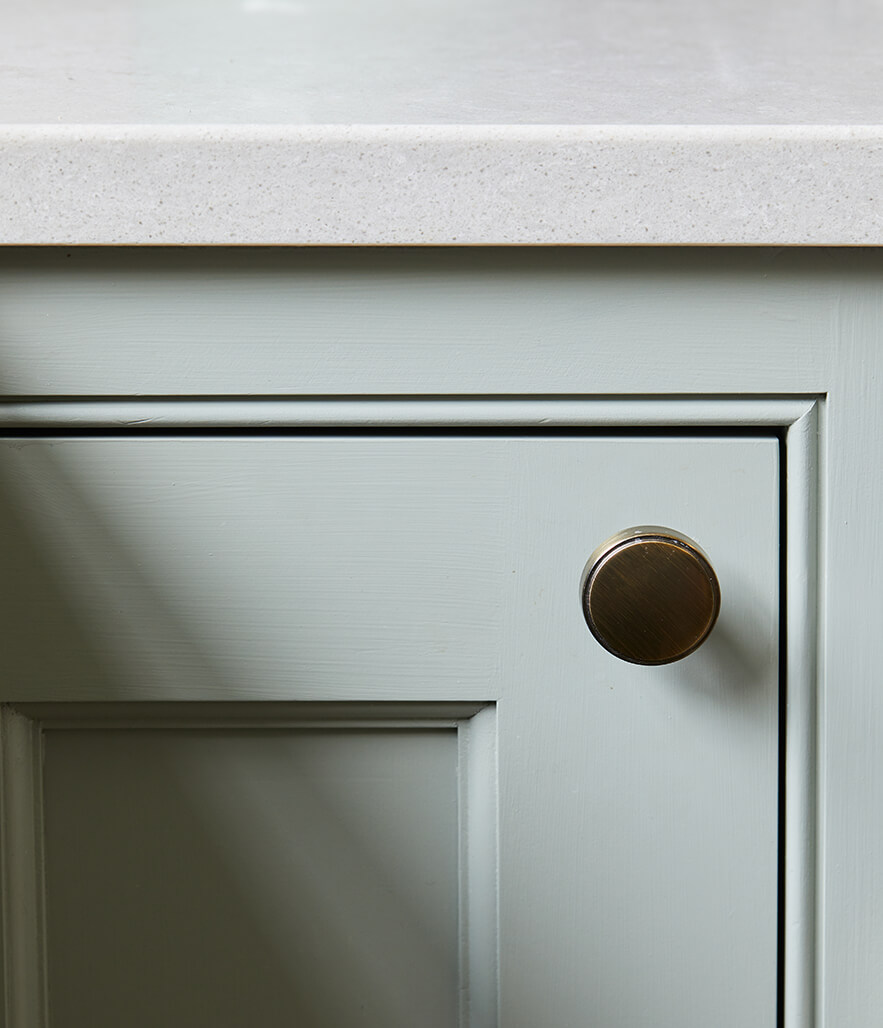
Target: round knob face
(650, 595)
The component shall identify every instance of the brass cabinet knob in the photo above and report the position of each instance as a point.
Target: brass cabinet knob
(650, 595)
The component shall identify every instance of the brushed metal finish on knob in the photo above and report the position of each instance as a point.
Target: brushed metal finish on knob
(650, 595)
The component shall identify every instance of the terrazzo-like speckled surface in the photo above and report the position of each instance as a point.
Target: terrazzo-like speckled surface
(464, 185)
(495, 121)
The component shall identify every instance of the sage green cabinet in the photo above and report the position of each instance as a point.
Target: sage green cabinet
(306, 727)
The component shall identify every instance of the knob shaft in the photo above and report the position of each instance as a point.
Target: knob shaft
(650, 595)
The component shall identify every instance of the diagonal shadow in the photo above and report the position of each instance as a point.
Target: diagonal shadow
(218, 879)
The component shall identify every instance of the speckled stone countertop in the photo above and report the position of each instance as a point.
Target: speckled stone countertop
(441, 122)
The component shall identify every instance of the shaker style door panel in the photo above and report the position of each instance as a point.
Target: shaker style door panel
(233, 876)
(312, 729)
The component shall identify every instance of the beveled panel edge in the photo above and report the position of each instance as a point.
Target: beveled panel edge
(479, 870)
(804, 638)
(198, 714)
(267, 414)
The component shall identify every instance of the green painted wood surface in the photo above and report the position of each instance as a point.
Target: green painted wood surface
(666, 323)
(638, 828)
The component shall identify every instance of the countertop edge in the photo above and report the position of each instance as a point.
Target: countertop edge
(441, 185)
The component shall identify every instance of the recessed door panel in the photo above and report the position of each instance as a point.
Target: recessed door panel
(235, 876)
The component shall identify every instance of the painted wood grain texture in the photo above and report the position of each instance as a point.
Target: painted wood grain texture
(602, 322)
(851, 859)
(288, 322)
(638, 806)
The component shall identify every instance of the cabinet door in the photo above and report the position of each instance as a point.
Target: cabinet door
(311, 730)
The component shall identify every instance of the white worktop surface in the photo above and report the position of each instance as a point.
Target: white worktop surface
(442, 121)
